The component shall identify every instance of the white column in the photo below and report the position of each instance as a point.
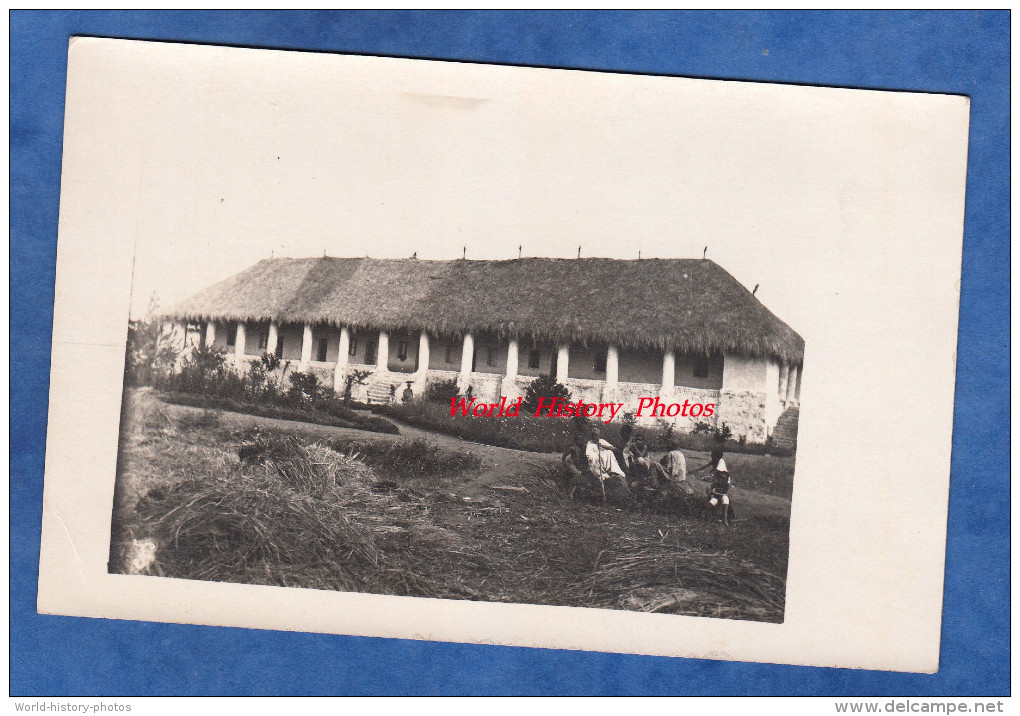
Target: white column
(274, 333)
(800, 374)
(421, 376)
(562, 363)
(512, 360)
(383, 359)
(340, 373)
(612, 366)
(668, 369)
(239, 340)
(423, 357)
(210, 333)
(784, 377)
(466, 359)
(791, 385)
(306, 345)
(182, 327)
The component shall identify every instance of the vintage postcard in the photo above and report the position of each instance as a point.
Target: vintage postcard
(503, 355)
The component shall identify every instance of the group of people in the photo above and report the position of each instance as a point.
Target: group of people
(628, 472)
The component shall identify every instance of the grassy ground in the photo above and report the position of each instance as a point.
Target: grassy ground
(548, 434)
(342, 417)
(252, 500)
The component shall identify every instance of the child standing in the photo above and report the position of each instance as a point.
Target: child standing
(718, 493)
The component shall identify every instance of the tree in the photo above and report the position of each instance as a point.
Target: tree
(544, 386)
(355, 377)
(150, 355)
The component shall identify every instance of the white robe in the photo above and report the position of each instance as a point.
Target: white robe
(601, 460)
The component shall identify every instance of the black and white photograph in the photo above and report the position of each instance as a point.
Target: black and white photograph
(587, 432)
(459, 335)
(616, 429)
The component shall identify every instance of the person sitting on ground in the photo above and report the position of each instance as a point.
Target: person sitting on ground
(593, 461)
(674, 464)
(718, 492)
(577, 461)
(642, 471)
(624, 454)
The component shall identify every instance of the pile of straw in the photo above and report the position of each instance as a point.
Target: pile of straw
(656, 577)
(297, 515)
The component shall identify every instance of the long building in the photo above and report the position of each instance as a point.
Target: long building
(609, 330)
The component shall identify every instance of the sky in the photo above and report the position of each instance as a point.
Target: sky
(225, 156)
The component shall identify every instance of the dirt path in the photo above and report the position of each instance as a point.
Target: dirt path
(501, 466)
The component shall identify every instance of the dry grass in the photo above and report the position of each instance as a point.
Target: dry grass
(654, 577)
(282, 509)
(272, 510)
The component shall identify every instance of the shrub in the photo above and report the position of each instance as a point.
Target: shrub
(305, 388)
(259, 380)
(442, 391)
(355, 377)
(721, 434)
(339, 416)
(544, 386)
(201, 371)
(150, 356)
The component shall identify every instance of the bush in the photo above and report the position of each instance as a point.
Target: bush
(354, 377)
(544, 386)
(442, 391)
(338, 416)
(721, 434)
(150, 356)
(305, 388)
(259, 382)
(201, 368)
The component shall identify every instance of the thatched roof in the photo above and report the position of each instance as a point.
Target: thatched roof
(691, 305)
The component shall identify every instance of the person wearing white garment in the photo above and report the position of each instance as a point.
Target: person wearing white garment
(595, 468)
(604, 466)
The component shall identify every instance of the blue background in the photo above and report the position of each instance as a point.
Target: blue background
(960, 52)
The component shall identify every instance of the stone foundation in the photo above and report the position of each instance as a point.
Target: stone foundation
(590, 391)
(323, 371)
(485, 386)
(704, 396)
(744, 412)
